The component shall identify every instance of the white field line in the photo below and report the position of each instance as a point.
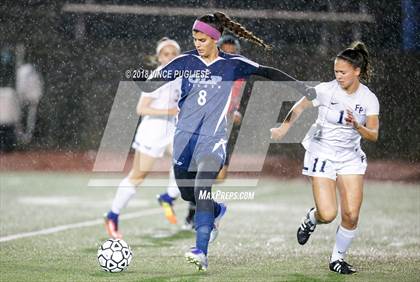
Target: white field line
(110, 182)
(76, 225)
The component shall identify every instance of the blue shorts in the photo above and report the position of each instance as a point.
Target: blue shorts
(191, 148)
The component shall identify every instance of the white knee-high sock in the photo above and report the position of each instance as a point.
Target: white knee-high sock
(125, 192)
(343, 239)
(172, 189)
(312, 217)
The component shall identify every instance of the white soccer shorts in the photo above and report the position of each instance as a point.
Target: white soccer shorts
(319, 165)
(153, 137)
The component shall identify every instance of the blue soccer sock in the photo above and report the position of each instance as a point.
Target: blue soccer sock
(113, 216)
(203, 225)
(166, 198)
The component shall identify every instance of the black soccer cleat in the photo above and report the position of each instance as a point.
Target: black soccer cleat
(305, 229)
(342, 267)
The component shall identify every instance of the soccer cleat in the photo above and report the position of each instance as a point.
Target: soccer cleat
(197, 257)
(342, 267)
(111, 225)
(166, 203)
(305, 229)
(215, 231)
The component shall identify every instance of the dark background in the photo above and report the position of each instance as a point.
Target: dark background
(82, 72)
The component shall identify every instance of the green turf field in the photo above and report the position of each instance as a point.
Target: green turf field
(256, 242)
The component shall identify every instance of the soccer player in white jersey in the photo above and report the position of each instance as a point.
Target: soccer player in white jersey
(154, 137)
(347, 112)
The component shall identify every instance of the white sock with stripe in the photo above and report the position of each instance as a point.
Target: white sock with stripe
(343, 239)
(125, 192)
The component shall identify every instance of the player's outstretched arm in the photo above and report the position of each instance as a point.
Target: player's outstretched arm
(279, 75)
(279, 132)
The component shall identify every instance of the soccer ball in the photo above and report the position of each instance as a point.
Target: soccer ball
(114, 255)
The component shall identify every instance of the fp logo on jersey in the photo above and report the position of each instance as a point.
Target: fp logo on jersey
(358, 108)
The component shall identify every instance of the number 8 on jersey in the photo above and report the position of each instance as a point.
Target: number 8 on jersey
(202, 97)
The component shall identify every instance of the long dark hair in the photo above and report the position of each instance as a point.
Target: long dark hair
(220, 21)
(358, 56)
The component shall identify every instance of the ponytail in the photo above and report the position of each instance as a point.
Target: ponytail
(221, 21)
(358, 56)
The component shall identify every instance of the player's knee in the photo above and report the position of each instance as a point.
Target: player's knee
(187, 198)
(136, 177)
(187, 195)
(205, 205)
(327, 215)
(350, 218)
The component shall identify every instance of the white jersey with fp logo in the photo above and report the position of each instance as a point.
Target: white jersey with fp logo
(330, 135)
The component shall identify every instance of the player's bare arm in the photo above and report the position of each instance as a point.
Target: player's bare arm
(279, 132)
(369, 131)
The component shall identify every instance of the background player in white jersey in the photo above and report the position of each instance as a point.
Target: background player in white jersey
(154, 137)
(347, 112)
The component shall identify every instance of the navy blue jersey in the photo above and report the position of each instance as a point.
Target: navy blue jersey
(206, 89)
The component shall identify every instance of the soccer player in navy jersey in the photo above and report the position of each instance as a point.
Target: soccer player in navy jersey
(228, 44)
(200, 139)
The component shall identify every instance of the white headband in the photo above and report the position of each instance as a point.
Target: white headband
(168, 42)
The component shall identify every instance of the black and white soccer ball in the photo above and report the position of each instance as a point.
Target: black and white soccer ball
(114, 255)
